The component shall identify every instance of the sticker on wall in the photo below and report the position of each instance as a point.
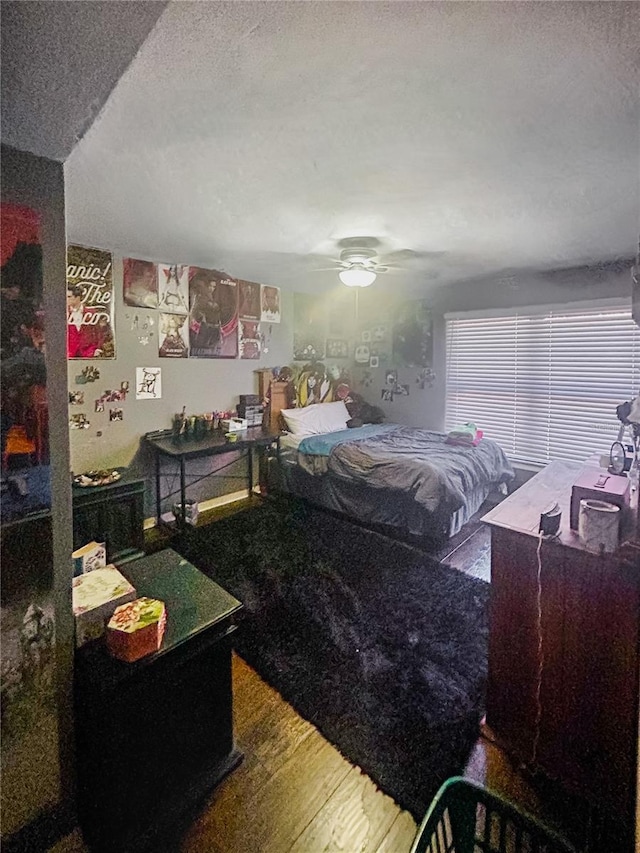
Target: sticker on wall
(337, 348)
(89, 303)
(148, 383)
(213, 317)
(249, 339)
(173, 288)
(115, 396)
(174, 342)
(391, 377)
(99, 405)
(249, 300)
(79, 421)
(374, 361)
(366, 336)
(89, 374)
(386, 394)
(379, 333)
(125, 386)
(362, 354)
(139, 283)
(116, 415)
(401, 390)
(76, 398)
(270, 297)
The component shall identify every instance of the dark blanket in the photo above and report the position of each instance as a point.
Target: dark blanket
(418, 461)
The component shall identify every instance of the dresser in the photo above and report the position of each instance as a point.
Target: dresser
(112, 514)
(563, 688)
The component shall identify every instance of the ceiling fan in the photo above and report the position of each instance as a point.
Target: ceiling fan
(362, 259)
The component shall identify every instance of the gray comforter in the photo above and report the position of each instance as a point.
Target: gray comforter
(418, 461)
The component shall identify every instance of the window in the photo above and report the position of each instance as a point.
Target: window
(543, 382)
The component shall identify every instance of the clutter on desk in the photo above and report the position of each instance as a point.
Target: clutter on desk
(251, 409)
(233, 424)
(91, 556)
(102, 477)
(95, 595)
(136, 629)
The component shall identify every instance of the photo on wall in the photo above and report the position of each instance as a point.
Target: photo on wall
(90, 327)
(213, 315)
(249, 339)
(173, 338)
(173, 288)
(139, 283)
(249, 307)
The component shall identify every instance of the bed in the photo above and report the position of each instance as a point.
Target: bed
(408, 480)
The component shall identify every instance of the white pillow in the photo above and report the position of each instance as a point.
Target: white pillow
(317, 418)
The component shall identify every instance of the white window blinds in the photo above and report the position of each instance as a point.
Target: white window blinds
(545, 383)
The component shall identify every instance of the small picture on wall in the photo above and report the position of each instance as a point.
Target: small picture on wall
(391, 377)
(386, 394)
(99, 406)
(374, 361)
(379, 333)
(362, 354)
(366, 336)
(139, 283)
(116, 415)
(148, 383)
(79, 421)
(402, 390)
(270, 304)
(76, 398)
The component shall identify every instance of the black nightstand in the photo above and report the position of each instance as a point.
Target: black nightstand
(113, 514)
(154, 736)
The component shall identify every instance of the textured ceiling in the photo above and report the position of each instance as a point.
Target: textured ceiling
(60, 61)
(254, 136)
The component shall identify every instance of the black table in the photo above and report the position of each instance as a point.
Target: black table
(177, 448)
(155, 736)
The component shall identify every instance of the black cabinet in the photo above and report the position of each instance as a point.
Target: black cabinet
(154, 736)
(113, 514)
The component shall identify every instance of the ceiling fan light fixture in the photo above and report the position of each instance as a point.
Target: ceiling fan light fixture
(357, 277)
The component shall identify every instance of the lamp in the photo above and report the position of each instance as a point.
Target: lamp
(357, 276)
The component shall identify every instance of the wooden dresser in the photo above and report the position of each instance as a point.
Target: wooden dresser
(563, 690)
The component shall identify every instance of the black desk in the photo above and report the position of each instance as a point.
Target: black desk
(181, 448)
(154, 736)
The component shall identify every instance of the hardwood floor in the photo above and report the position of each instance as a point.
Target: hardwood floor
(295, 793)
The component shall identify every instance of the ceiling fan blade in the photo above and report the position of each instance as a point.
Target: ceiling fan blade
(409, 256)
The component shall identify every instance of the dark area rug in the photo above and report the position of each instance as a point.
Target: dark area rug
(379, 646)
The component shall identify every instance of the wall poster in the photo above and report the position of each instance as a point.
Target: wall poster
(213, 316)
(249, 339)
(249, 300)
(270, 304)
(139, 283)
(173, 288)
(173, 339)
(413, 336)
(89, 303)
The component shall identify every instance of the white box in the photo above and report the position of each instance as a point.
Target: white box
(95, 595)
(233, 424)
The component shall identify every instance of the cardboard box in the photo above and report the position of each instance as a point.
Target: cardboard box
(136, 629)
(233, 424)
(89, 557)
(95, 595)
(598, 484)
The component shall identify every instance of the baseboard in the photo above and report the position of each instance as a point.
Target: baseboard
(203, 506)
(43, 832)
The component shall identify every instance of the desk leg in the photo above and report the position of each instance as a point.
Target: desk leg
(158, 503)
(250, 469)
(183, 493)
